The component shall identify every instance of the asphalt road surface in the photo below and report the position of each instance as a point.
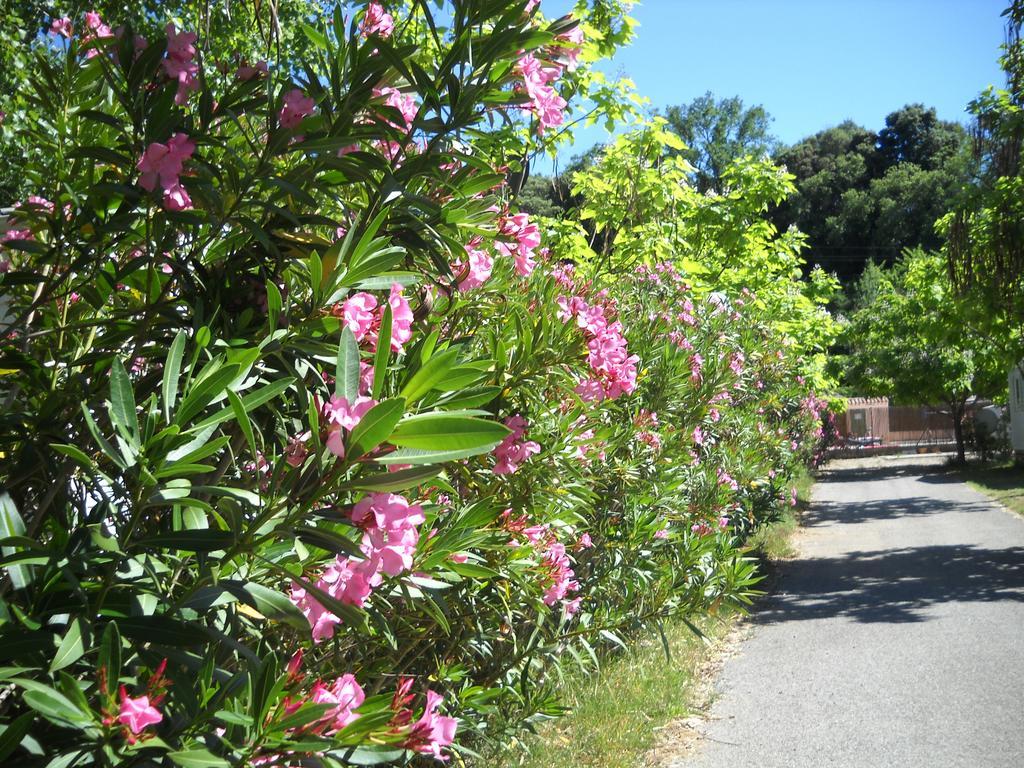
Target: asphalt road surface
(895, 639)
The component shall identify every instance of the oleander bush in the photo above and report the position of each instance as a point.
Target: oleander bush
(314, 450)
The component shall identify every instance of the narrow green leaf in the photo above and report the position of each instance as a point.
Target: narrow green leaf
(110, 655)
(71, 647)
(172, 371)
(395, 481)
(198, 758)
(11, 524)
(346, 375)
(380, 358)
(72, 452)
(12, 735)
(244, 422)
(429, 374)
(440, 431)
(375, 426)
(122, 401)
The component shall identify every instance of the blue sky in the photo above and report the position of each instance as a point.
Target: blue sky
(810, 63)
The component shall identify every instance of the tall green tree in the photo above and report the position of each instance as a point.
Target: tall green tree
(865, 196)
(717, 132)
(914, 340)
(986, 229)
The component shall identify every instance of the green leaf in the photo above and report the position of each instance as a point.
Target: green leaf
(251, 401)
(432, 372)
(71, 647)
(122, 401)
(275, 605)
(346, 377)
(110, 656)
(375, 426)
(11, 524)
(380, 358)
(439, 431)
(198, 758)
(202, 540)
(204, 392)
(54, 706)
(172, 371)
(473, 570)
(12, 735)
(395, 481)
(74, 453)
(243, 421)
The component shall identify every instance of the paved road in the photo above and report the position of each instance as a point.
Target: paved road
(896, 639)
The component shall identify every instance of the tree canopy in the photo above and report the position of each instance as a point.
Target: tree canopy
(717, 132)
(863, 195)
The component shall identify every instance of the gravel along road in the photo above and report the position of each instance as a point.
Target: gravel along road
(896, 638)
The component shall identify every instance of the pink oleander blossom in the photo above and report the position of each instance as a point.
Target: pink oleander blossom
(480, 267)
(359, 313)
(163, 164)
(401, 318)
(179, 64)
(346, 694)
(545, 101)
(294, 107)
(404, 103)
(432, 731)
(137, 714)
(246, 72)
(61, 27)
(340, 415)
(96, 29)
(377, 22)
(514, 450)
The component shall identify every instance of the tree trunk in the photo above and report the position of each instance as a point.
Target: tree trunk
(958, 430)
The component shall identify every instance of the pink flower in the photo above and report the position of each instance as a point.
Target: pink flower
(97, 30)
(296, 451)
(527, 237)
(163, 164)
(585, 541)
(137, 714)
(570, 52)
(480, 266)
(246, 72)
(401, 318)
(404, 103)
(339, 414)
(545, 101)
(376, 22)
(294, 107)
(387, 510)
(572, 607)
(179, 65)
(346, 693)
(696, 367)
(176, 198)
(358, 313)
(513, 450)
(61, 27)
(432, 731)
(661, 534)
(698, 436)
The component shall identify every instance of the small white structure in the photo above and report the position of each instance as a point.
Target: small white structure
(1017, 409)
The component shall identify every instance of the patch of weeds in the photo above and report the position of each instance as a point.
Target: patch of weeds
(616, 714)
(1002, 482)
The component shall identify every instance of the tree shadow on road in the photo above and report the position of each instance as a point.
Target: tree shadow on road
(894, 586)
(848, 513)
